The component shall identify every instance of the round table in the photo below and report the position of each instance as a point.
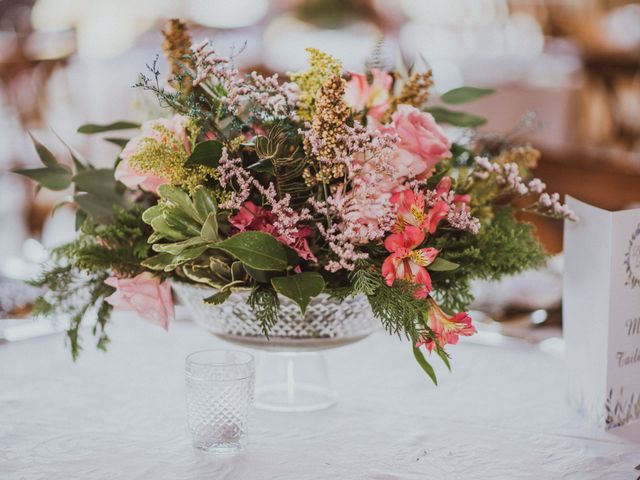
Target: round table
(501, 414)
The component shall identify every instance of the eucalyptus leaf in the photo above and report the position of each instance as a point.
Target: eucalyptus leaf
(90, 128)
(57, 177)
(206, 153)
(300, 288)
(100, 182)
(96, 207)
(442, 265)
(426, 366)
(257, 250)
(457, 119)
(465, 94)
(46, 157)
(121, 142)
(78, 160)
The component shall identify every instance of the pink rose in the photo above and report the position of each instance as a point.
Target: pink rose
(420, 137)
(422, 145)
(133, 178)
(144, 294)
(374, 97)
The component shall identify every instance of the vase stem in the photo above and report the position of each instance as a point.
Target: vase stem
(293, 382)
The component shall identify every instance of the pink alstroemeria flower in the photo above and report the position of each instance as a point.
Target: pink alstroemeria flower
(144, 294)
(374, 97)
(447, 328)
(408, 264)
(255, 218)
(411, 211)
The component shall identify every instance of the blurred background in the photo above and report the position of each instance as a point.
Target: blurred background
(567, 74)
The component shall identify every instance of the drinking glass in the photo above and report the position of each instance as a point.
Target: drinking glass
(220, 387)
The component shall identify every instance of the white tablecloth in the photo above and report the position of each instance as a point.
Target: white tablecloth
(501, 414)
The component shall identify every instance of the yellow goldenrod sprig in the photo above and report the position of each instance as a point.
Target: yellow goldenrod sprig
(321, 67)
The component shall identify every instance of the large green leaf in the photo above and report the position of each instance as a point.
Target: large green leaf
(457, 119)
(442, 265)
(426, 366)
(57, 177)
(90, 128)
(466, 94)
(300, 288)
(206, 153)
(258, 250)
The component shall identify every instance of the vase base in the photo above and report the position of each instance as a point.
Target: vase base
(293, 382)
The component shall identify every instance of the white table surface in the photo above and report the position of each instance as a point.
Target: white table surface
(501, 414)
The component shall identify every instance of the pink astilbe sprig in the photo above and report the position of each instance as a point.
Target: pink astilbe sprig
(233, 177)
(286, 219)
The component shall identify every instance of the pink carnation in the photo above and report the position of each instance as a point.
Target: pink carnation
(144, 294)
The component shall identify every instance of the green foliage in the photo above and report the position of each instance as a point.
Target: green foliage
(265, 305)
(75, 282)
(504, 246)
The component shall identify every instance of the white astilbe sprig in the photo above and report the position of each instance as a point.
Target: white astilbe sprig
(508, 176)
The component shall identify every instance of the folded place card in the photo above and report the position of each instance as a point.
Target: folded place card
(601, 313)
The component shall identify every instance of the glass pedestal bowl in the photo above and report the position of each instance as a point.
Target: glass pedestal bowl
(291, 374)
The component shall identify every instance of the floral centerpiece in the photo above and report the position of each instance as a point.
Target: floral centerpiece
(329, 182)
